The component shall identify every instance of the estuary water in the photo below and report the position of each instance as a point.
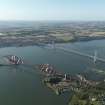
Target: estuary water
(22, 85)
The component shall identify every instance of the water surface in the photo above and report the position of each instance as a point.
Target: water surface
(22, 85)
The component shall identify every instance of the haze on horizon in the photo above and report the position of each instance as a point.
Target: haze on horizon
(52, 10)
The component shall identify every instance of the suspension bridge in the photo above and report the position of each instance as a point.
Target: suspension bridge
(93, 57)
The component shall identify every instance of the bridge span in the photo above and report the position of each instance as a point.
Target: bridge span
(94, 57)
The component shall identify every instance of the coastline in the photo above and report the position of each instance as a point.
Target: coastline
(24, 41)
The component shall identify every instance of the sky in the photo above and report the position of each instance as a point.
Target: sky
(52, 10)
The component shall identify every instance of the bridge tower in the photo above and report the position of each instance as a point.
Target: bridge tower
(95, 57)
(53, 44)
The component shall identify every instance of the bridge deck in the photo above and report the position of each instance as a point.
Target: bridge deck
(80, 53)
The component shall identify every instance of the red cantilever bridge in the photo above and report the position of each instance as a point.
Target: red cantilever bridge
(15, 60)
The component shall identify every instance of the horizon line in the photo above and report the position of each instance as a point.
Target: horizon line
(53, 20)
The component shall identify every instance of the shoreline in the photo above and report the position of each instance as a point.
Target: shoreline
(27, 42)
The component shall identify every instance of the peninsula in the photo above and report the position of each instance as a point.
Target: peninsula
(84, 91)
